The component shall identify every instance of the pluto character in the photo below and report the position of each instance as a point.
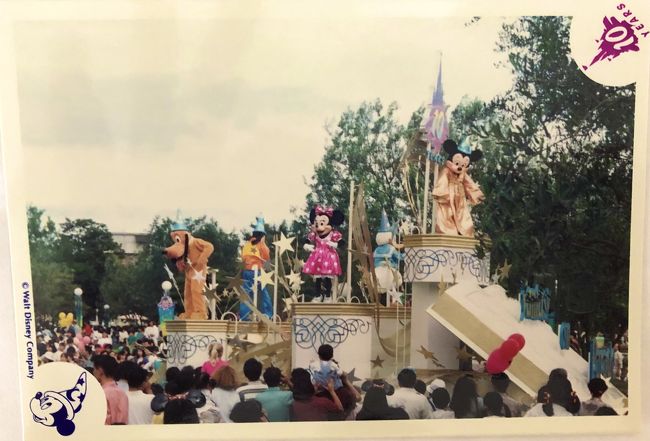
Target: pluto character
(190, 254)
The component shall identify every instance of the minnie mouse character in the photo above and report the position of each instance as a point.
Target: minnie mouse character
(454, 189)
(323, 262)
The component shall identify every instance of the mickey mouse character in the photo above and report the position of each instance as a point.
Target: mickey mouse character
(323, 262)
(454, 189)
(58, 409)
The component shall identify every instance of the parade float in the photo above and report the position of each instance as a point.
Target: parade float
(426, 297)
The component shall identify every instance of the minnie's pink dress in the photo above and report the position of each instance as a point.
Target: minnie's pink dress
(323, 260)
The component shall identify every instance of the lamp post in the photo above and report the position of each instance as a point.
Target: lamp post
(78, 306)
(106, 308)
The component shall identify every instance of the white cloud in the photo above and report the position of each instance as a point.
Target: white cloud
(123, 121)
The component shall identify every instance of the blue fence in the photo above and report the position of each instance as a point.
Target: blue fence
(601, 359)
(535, 303)
(564, 334)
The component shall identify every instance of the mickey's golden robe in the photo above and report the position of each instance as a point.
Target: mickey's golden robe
(453, 193)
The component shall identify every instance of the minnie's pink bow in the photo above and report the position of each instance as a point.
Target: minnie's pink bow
(327, 211)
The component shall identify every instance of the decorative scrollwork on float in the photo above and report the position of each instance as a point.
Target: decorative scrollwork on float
(182, 347)
(311, 332)
(420, 263)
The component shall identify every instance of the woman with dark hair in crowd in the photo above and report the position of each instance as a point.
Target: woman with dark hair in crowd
(465, 401)
(375, 407)
(558, 399)
(308, 407)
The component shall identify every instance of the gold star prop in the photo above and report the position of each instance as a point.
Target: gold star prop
(287, 303)
(294, 279)
(428, 355)
(504, 271)
(298, 264)
(237, 342)
(235, 282)
(351, 377)
(284, 243)
(377, 362)
(266, 278)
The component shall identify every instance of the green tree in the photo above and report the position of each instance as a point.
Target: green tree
(52, 281)
(557, 174)
(85, 247)
(142, 291)
(367, 146)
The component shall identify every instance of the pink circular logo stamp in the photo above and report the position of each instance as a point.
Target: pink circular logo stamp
(610, 42)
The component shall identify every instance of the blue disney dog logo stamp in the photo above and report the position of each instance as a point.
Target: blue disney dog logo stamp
(58, 409)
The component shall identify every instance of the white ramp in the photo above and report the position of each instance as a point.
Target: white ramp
(484, 317)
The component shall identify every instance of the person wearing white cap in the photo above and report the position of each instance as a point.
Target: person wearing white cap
(435, 384)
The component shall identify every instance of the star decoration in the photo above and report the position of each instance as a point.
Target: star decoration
(298, 264)
(463, 355)
(265, 278)
(235, 282)
(351, 377)
(284, 243)
(294, 279)
(377, 362)
(428, 355)
(237, 342)
(504, 271)
(288, 302)
(198, 275)
(406, 227)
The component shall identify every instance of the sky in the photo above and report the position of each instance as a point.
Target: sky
(126, 120)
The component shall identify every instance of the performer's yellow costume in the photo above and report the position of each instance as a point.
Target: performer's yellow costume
(191, 256)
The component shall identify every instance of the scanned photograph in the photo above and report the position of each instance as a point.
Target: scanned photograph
(328, 219)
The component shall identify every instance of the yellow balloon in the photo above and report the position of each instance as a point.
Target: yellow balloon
(61, 315)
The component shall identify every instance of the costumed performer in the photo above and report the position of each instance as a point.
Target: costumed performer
(255, 254)
(323, 262)
(387, 257)
(455, 191)
(190, 254)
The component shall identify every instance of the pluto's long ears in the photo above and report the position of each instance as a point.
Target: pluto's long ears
(77, 394)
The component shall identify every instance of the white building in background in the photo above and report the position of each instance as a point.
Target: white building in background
(131, 243)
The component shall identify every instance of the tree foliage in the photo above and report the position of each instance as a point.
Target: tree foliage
(557, 173)
(366, 146)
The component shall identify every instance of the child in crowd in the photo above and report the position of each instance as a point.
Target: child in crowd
(440, 398)
(325, 368)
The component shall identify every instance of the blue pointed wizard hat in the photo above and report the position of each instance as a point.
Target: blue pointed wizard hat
(384, 226)
(465, 147)
(258, 227)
